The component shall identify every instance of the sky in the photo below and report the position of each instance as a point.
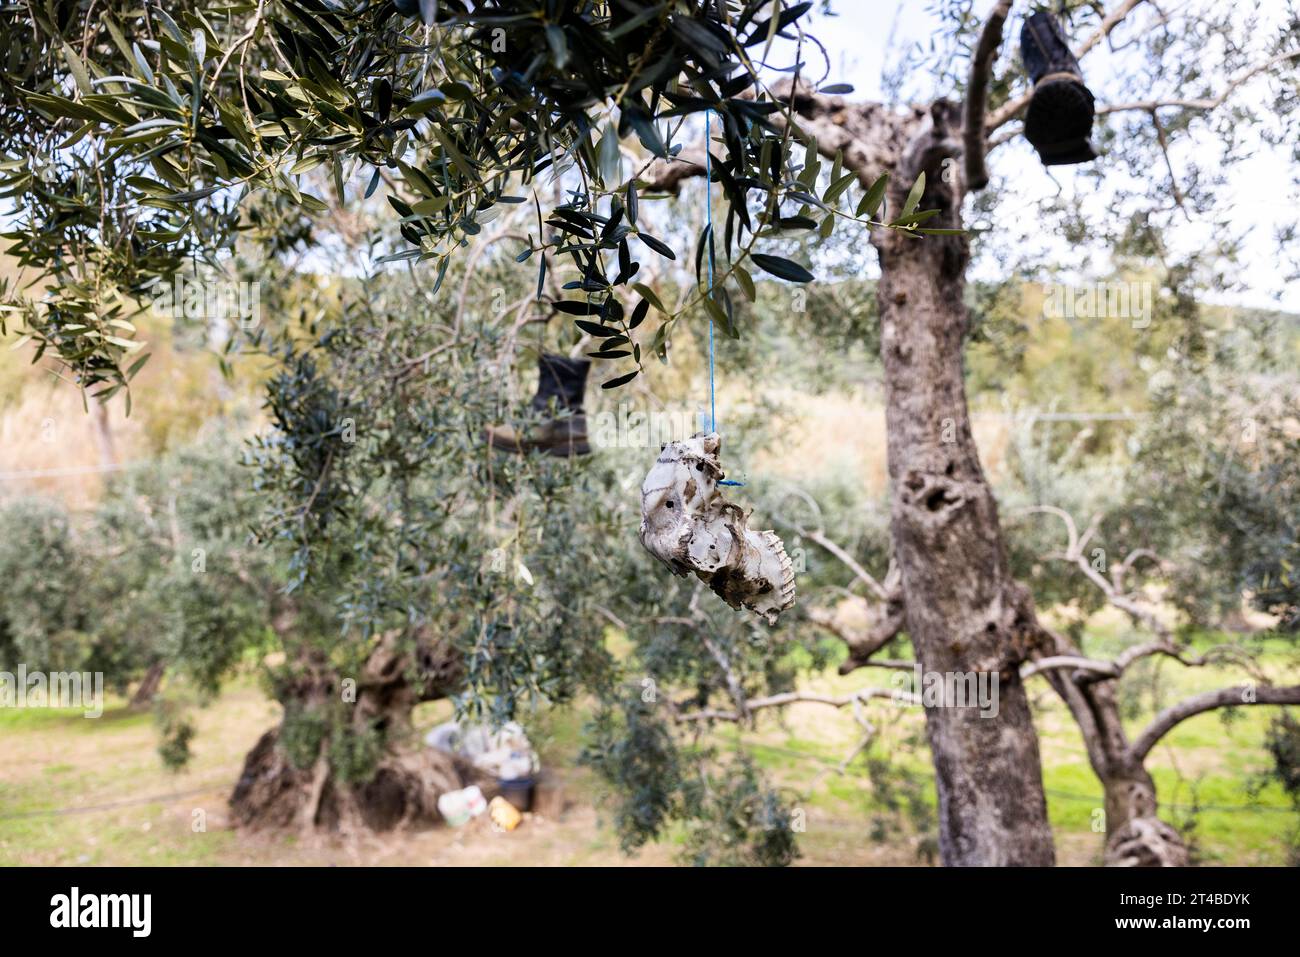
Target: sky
(866, 36)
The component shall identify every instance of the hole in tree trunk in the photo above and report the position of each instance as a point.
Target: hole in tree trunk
(937, 500)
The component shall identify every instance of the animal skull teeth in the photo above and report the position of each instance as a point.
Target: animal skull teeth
(688, 525)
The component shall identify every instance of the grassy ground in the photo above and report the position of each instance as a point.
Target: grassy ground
(83, 791)
(66, 783)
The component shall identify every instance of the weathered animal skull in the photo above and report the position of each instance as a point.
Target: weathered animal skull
(690, 527)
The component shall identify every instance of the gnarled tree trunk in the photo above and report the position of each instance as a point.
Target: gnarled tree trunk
(1135, 835)
(964, 611)
(408, 778)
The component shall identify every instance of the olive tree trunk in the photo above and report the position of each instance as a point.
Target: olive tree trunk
(1135, 835)
(964, 611)
(407, 777)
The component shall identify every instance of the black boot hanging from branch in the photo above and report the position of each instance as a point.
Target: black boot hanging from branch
(562, 431)
(1059, 120)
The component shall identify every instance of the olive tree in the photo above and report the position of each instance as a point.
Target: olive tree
(159, 578)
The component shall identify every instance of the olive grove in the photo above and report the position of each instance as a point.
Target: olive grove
(527, 153)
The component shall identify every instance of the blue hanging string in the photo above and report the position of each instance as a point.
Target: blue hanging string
(708, 218)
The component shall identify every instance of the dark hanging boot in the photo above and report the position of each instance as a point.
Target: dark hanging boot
(1059, 120)
(561, 383)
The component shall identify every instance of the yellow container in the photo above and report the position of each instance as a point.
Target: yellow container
(505, 815)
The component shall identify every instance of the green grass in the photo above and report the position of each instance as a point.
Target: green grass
(1208, 772)
(67, 720)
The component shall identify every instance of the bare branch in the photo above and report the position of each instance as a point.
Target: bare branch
(1071, 662)
(1114, 594)
(612, 618)
(977, 90)
(666, 176)
(1149, 106)
(1108, 23)
(860, 573)
(245, 37)
(1071, 530)
(734, 687)
(795, 697)
(886, 620)
(1098, 670)
(1168, 719)
(1093, 524)
(884, 592)
(475, 255)
(1119, 570)
(889, 664)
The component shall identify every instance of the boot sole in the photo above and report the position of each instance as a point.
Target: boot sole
(566, 451)
(1054, 123)
(502, 445)
(558, 450)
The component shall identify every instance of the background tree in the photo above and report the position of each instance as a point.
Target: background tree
(159, 575)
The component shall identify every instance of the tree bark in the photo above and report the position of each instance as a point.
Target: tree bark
(1135, 835)
(148, 687)
(965, 612)
(408, 778)
(103, 429)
